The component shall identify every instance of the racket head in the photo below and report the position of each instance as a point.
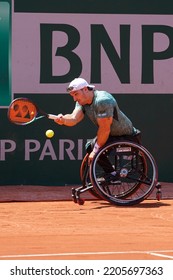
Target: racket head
(22, 111)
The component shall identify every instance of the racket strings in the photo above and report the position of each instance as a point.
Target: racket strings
(22, 111)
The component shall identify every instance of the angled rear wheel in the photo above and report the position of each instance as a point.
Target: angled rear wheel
(136, 173)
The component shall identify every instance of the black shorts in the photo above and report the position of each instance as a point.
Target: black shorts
(135, 137)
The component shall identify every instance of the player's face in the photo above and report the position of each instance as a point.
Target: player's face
(79, 96)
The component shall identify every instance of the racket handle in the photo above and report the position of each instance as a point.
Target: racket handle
(52, 117)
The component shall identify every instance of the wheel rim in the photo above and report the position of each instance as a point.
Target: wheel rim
(137, 184)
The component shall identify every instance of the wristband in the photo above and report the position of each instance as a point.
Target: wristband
(96, 148)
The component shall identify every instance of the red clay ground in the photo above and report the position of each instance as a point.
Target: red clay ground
(36, 228)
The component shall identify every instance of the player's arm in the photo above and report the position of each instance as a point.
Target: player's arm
(104, 127)
(70, 119)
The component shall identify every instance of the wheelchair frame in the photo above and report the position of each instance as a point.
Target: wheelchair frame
(136, 175)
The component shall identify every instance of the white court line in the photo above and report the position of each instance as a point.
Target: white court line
(161, 255)
(156, 253)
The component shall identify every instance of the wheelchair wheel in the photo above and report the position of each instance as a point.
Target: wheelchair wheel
(84, 175)
(142, 164)
(136, 173)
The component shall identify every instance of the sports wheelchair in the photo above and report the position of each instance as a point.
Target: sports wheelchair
(136, 175)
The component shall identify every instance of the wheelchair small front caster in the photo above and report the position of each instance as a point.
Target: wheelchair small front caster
(81, 201)
(73, 192)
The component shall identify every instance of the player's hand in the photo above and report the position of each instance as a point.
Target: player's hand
(90, 157)
(60, 119)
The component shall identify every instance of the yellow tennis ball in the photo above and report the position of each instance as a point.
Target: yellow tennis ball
(49, 133)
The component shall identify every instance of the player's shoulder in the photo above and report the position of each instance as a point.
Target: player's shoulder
(104, 96)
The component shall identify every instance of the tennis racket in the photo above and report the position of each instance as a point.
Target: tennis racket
(23, 111)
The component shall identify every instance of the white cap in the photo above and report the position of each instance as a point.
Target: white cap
(77, 84)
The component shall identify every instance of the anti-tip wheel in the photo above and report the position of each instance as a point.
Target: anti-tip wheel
(158, 195)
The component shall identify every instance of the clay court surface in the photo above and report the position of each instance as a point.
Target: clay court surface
(43, 223)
